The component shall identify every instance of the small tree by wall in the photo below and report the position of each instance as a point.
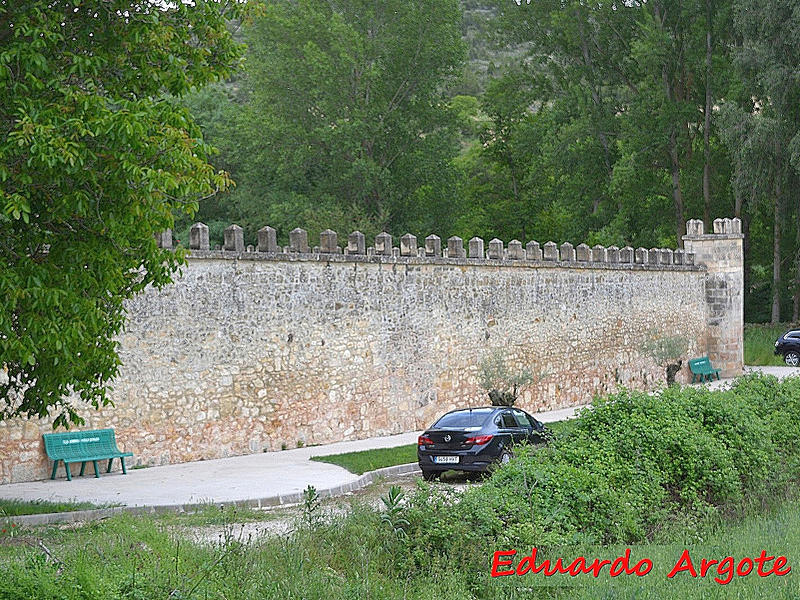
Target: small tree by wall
(667, 351)
(499, 381)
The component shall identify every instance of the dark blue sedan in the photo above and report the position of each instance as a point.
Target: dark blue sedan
(473, 439)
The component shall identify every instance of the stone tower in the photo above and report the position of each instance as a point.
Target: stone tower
(722, 255)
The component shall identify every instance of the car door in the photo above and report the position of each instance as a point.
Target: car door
(534, 430)
(509, 428)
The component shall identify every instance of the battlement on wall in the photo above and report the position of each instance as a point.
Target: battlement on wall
(432, 251)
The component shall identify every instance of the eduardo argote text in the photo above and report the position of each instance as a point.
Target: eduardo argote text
(723, 570)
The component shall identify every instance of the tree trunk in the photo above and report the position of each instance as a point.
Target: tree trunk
(776, 254)
(707, 124)
(677, 197)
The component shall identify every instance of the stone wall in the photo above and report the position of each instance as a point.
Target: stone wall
(258, 349)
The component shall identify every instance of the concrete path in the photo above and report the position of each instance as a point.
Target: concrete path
(268, 478)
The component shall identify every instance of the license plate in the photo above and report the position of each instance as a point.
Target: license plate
(445, 460)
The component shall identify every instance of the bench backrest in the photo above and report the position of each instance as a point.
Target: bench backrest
(77, 444)
(700, 365)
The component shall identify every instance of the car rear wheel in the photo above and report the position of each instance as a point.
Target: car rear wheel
(429, 475)
(792, 358)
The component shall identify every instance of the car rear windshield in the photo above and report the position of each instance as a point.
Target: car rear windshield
(464, 418)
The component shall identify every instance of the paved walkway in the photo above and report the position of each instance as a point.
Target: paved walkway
(271, 477)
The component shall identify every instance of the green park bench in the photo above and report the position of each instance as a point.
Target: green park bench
(701, 368)
(83, 446)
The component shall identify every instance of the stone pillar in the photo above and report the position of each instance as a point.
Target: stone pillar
(234, 238)
(599, 253)
(455, 247)
(433, 246)
(533, 251)
(723, 257)
(583, 253)
(408, 245)
(383, 244)
(267, 239)
(612, 254)
(198, 237)
(550, 251)
(496, 249)
(356, 243)
(328, 242)
(567, 252)
(164, 239)
(515, 250)
(298, 240)
(626, 255)
(476, 248)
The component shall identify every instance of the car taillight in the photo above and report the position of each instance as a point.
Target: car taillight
(479, 440)
(424, 441)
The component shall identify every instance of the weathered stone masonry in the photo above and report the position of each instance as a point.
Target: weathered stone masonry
(256, 349)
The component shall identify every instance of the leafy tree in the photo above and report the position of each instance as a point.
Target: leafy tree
(347, 116)
(95, 155)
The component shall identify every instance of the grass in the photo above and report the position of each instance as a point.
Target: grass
(15, 508)
(759, 343)
(354, 556)
(369, 460)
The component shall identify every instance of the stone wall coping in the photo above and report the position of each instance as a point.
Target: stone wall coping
(430, 260)
(713, 237)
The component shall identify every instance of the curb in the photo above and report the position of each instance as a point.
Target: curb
(268, 502)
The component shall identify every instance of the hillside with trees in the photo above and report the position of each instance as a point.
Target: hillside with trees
(571, 121)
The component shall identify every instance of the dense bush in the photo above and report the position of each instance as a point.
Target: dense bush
(630, 466)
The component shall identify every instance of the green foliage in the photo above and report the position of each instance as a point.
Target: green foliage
(95, 155)
(344, 124)
(497, 378)
(633, 465)
(394, 514)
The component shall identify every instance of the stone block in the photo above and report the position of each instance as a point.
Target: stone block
(654, 256)
(455, 247)
(476, 248)
(694, 227)
(612, 254)
(677, 257)
(433, 246)
(598, 253)
(234, 239)
(719, 225)
(408, 245)
(164, 239)
(533, 251)
(515, 250)
(383, 244)
(198, 237)
(583, 253)
(626, 255)
(267, 239)
(496, 251)
(550, 251)
(298, 241)
(666, 256)
(328, 242)
(356, 243)
(567, 252)
(641, 256)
